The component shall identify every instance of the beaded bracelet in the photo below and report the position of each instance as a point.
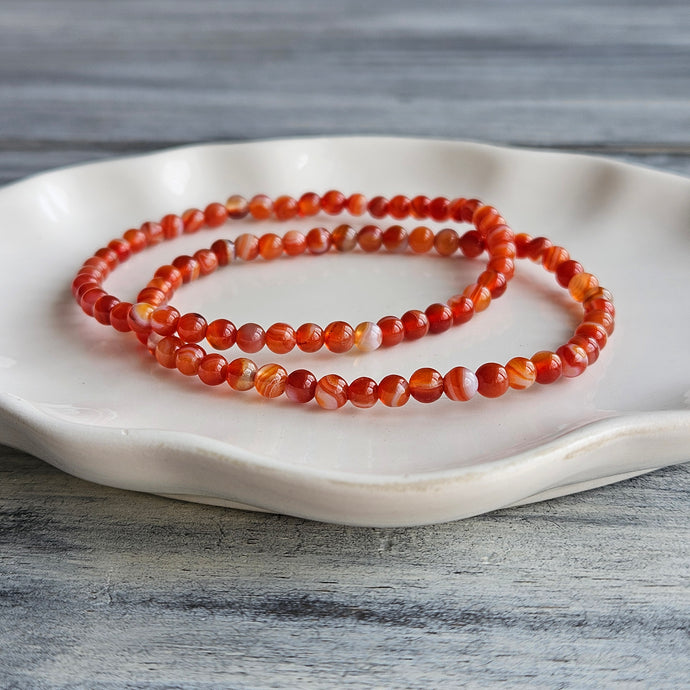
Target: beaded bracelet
(332, 391)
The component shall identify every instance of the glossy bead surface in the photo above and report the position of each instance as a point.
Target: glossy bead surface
(421, 240)
(193, 220)
(250, 337)
(224, 251)
(368, 336)
(221, 334)
(522, 373)
(138, 240)
(356, 204)
(270, 380)
(394, 390)
(215, 215)
(440, 317)
(270, 246)
(260, 207)
(237, 207)
(240, 374)
(439, 208)
(480, 296)
(378, 207)
(294, 243)
(333, 202)
(416, 324)
(419, 207)
(582, 285)
(462, 308)
(331, 392)
(285, 207)
(118, 317)
(102, 308)
(589, 345)
(166, 351)
(566, 271)
(188, 357)
(164, 320)
(363, 392)
(602, 317)
(246, 247)
(392, 331)
(207, 260)
(595, 331)
(213, 369)
(426, 385)
(300, 386)
(399, 207)
(280, 338)
(573, 358)
(153, 233)
(339, 337)
(309, 204)
(188, 266)
(446, 242)
(548, 365)
(318, 241)
(139, 317)
(170, 273)
(395, 238)
(191, 327)
(492, 380)
(494, 281)
(471, 244)
(309, 337)
(553, 257)
(344, 238)
(370, 238)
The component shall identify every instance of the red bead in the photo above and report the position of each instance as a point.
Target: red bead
(548, 365)
(485, 218)
(285, 207)
(370, 238)
(471, 244)
(139, 317)
(467, 209)
(331, 392)
(215, 215)
(535, 248)
(237, 207)
(172, 225)
(270, 246)
(394, 391)
(460, 384)
(566, 270)
(318, 240)
(333, 202)
(137, 239)
(300, 386)
(344, 238)
(440, 318)
(593, 330)
(250, 337)
(339, 337)
(357, 204)
(492, 380)
(294, 243)
(363, 392)
(102, 308)
(270, 380)
(378, 207)
(392, 329)
(224, 251)
(164, 320)
(109, 256)
(438, 208)
(166, 351)
(602, 317)
(241, 373)
(213, 369)
(188, 267)
(419, 207)
(89, 299)
(416, 324)
(193, 220)
(462, 308)
(121, 248)
(480, 296)
(191, 327)
(553, 257)
(399, 207)
(309, 204)
(589, 345)
(309, 337)
(582, 286)
(421, 240)
(260, 207)
(153, 232)
(280, 338)
(522, 241)
(395, 239)
(207, 260)
(221, 334)
(426, 385)
(118, 317)
(188, 358)
(573, 358)
(246, 247)
(170, 273)
(446, 242)
(495, 282)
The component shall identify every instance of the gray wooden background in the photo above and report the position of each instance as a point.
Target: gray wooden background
(102, 588)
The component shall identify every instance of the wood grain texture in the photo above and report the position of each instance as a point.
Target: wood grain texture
(101, 588)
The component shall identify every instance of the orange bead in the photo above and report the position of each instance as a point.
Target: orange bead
(294, 243)
(521, 373)
(309, 204)
(285, 207)
(395, 238)
(573, 358)
(246, 247)
(582, 285)
(394, 391)
(368, 336)
(102, 308)
(109, 256)
(89, 299)
(471, 244)
(309, 337)
(553, 257)
(421, 240)
(331, 392)
(318, 240)
(536, 247)
(221, 334)
(237, 207)
(170, 273)
(602, 317)
(502, 264)
(392, 331)
(344, 238)
(121, 248)
(356, 204)
(492, 380)
(363, 392)
(164, 320)
(460, 384)
(593, 330)
(207, 260)
(188, 267)
(480, 296)
(215, 215)
(250, 337)
(188, 357)
(426, 385)
(339, 337)
(378, 207)
(152, 296)
(494, 281)
(462, 308)
(191, 327)
(166, 351)
(224, 251)
(416, 324)
(399, 207)
(549, 367)
(485, 218)
(447, 242)
(260, 207)
(333, 202)
(270, 246)
(213, 369)
(270, 380)
(118, 317)
(440, 318)
(137, 240)
(300, 386)
(153, 233)
(240, 374)
(280, 338)
(193, 220)
(370, 238)
(589, 345)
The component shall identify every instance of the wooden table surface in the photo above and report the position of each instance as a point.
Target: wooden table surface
(101, 588)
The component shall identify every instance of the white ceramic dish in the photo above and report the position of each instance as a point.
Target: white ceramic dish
(93, 403)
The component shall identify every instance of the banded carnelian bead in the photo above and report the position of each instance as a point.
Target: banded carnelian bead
(602, 317)
(392, 331)
(309, 337)
(416, 324)
(260, 207)
(440, 318)
(522, 373)
(357, 204)
(188, 267)
(160, 284)
(466, 211)
(81, 280)
(109, 256)
(333, 202)
(394, 391)
(166, 351)
(471, 244)
(250, 337)
(331, 392)
(207, 260)
(191, 327)
(536, 247)
(486, 218)
(309, 204)
(215, 215)
(294, 243)
(421, 240)
(438, 208)
(213, 369)
(553, 257)
(593, 330)
(549, 366)
(462, 308)
(89, 299)
(370, 238)
(270, 246)
(597, 302)
(566, 270)
(419, 207)
(399, 207)
(237, 207)
(98, 263)
(246, 247)
(153, 233)
(121, 248)
(344, 238)
(221, 334)
(280, 338)
(173, 226)
(589, 345)
(363, 392)
(285, 207)
(395, 238)
(318, 241)
(300, 386)
(137, 239)
(164, 320)
(188, 357)
(193, 220)
(139, 317)
(492, 380)
(339, 337)
(522, 241)
(573, 358)
(368, 336)
(270, 380)
(240, 374)
(480, 296)
(378, 207)
(118, 317)
(582, 285)
(426, 385)
(446, 242)
(460, 384)
(494, 281)
(170, 273)
(102, 308)
(502, 264)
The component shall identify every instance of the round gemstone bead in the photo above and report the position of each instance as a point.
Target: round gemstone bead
(460, 384)
(138, 239)
(471, 244)
(318, 240)
(566, 271)
(309, 337)
(395, 239)
(480, 296)
(549, 367)
(260, 207)
(188, 358)
(270, 246)
(188, 267)
(102, 308)
(280, 338)
(247, 247)
(240, 374)
(589, 345)
(164, 320)
(392, 331)
(270, 380)
(399, 207)
(139, 317)
(582, 285)
(333, 202)
(300, 386)
(339, 337)
(419, 207)
(492, 379)
(344, 238)
(378, 207)
(357, 204)
(309, 204)
(573, 358)
(370, 238)
(440, 317)
(447, 242)
(421, 240)
(438, 208)
(193, 220)
(553, 257)
(237, 207)
(285, 207)
(593, 330)
(119, 317)
(426, 385)
(363, 392)
(221, 334)
(416, 324)
(368, 336)
(394, 391)
(462, 308)
(521, 373)
(191, 327)
(166, 351)
(215, 214)
(294, 243)
(213, 369)
(250, 337)
(224, 251)
(331, 392)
